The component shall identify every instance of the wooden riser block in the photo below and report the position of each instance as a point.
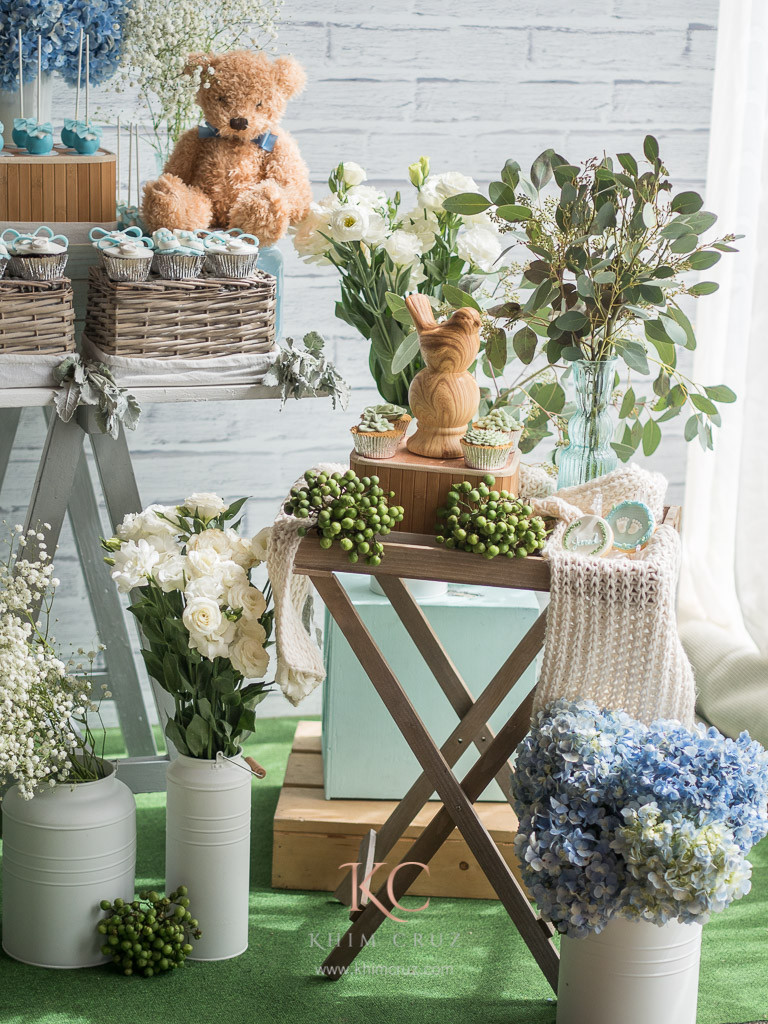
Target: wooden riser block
(421, 485)
(60, 186)
(314, 836)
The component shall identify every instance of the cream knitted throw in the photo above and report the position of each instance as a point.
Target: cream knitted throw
(611, 626)
(300, 665)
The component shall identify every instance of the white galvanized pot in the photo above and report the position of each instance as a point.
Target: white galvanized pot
(208, 847)
(633, 972)
(64, 851)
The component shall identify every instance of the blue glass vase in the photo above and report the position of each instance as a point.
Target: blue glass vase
(590, 429)
(271, 262)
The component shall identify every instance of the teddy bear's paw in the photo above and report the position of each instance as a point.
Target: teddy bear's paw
(263, 212)
(169, 203)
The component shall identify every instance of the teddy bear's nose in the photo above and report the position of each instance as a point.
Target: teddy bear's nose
(238, 123)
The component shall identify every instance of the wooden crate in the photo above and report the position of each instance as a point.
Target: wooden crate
(194, 319)
(421, 485)
(36, 317)
(313, 836)
(60, 186)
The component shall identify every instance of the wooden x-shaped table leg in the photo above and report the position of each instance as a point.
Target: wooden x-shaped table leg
(457, 811)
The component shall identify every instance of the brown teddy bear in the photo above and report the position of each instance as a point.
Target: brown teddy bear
(239, 170)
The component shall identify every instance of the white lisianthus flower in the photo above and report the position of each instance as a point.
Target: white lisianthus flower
(403, 248)
(479, 246)
(308, 234)
(202, 616)
(377, 229)
(206, 586)
(424, 224)
(214, 645)
(149, 523)
(239, 547)
(366, 195)
(352, 173)
(205, 562)
(210, 540)
(247, 653)
(205, 504)
(417, 276)
(260, 545)
(170, 571)
(134, 564)
(349, 224)
(438, 187)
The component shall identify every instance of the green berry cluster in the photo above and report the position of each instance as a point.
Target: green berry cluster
(149, 935)
(346, 509)
(489, 522)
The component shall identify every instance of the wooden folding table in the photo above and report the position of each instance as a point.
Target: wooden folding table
(415, 556)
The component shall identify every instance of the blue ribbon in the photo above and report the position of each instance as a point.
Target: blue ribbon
(265, 141)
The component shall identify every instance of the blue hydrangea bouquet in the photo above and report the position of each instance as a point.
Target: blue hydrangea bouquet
(621, 819)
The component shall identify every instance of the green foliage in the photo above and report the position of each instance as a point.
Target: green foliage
(608, 261)
(346, 509)
(488, 522)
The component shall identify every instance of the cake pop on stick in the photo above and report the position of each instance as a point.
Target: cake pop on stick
(39, 137)
(19, 132)
(70, 126)
(87, 136)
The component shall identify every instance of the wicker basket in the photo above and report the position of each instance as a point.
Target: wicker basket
(36, 316)
(197, 319)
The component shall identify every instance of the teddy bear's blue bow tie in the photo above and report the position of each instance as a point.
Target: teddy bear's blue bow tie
(265, 141)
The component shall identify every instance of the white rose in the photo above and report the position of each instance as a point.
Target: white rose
(366, 195)
(242, 594)
(248, 655)
(403, 248)
(349, 224)
(134, 564)
(149, 523)
(260, 545)
(213, 646)
(206, 505)
(479, 246)
(202, 616)
(308, 234)
(438, 187)
(352, 173)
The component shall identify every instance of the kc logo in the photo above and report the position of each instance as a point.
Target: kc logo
(363, 892)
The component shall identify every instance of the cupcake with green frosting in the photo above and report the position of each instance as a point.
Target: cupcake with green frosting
(486, 447)
(375, 436)
(505, 421)
(397, 416)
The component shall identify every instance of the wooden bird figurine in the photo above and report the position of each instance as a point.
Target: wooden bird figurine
(444, 396)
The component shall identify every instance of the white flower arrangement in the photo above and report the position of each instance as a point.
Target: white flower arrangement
(206, 625)
(383, 251)
(45, 738)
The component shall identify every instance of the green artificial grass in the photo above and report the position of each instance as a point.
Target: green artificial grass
(457, 962)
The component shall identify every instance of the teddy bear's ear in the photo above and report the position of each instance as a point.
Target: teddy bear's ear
(289, 75)
(198, 60)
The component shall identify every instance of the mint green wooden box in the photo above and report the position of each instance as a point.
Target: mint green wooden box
(364, 755)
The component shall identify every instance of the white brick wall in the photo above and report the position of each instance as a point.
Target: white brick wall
(470, 85)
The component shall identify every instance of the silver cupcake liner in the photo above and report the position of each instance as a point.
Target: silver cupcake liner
(47, 267)
(177, 266)
(4, 261)
(483, 456)
(231, 264)
(376, 446)
(122, 268)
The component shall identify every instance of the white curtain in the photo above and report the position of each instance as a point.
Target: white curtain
(724, 589)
